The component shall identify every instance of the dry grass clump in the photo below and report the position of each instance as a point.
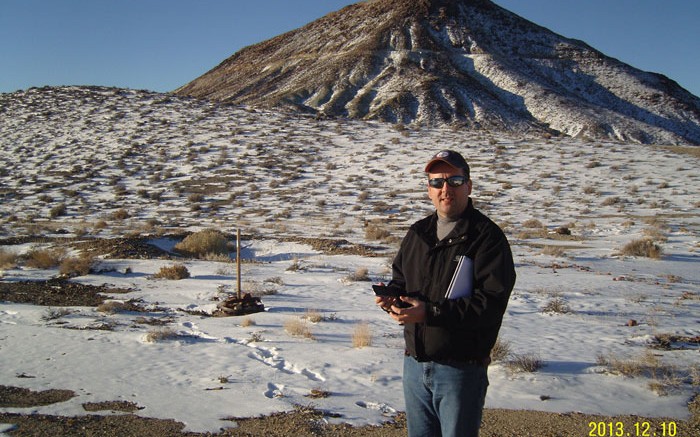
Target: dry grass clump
(529, 362)
(115, 306)
(176, 272)
(361, 274)
(533, 224)
(8, 259)
(203, 243)
(246, 322)
(557, 305)
(695, 375)
(298, 328)
(120, 214)
(374, 231)
(76, 266)
(361, 336)
(58, 211)
(161, 334)
(317, 393)
(45, 258)
(556, 251)
(500, 350)
(611, 201)
(313, 316)
(643, 247)
(648, 364)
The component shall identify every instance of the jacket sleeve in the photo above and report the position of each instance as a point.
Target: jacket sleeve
(494, 279)
(397, 274)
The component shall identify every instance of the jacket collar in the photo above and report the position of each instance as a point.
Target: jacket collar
(426, 228)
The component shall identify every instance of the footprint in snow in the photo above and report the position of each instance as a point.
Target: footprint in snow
(274, 391)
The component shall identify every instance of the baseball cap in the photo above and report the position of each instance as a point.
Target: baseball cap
(449, 157)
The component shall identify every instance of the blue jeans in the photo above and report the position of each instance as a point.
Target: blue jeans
(443, 400)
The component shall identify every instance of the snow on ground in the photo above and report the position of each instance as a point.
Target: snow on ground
(212, 369)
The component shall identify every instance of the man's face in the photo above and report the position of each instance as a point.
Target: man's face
(449, 201)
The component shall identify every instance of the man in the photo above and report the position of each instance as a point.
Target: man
(449, 335)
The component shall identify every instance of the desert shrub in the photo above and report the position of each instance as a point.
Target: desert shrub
(500, 350)
(361, 336)
(58, 211)
(161, 334)
(610, 201)
(376, 232)
(112, 307)
(45, 258)
(644, 247)
(76, 266)
(313, 316)
(298, 328)
(195, 197)
(557, 251)
(529, 362)
(647, 365)
(695, 375)
(533, 223)
(203, 243)
(317, 393)
(176, 272)
(361, 274)
(246, 322)
(120, 214)
(8, 259)
(557, 305)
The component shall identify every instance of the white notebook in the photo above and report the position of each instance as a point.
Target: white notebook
(462, 282)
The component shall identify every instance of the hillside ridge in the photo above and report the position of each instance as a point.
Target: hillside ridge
(466, 63)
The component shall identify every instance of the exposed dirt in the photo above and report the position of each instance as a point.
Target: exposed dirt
(496, 423)
(54, 292)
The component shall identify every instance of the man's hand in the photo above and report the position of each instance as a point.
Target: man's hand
(416, 313)
(385, 302)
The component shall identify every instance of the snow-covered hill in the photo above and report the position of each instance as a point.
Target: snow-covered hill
(467, 63)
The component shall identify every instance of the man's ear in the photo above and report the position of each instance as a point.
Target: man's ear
(469, 187)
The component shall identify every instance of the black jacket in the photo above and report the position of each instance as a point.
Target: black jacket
(463, 329)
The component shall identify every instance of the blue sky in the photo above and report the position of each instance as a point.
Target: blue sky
(162, 44)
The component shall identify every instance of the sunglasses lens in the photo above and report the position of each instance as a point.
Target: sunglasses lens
(437, 182)
(454, 181)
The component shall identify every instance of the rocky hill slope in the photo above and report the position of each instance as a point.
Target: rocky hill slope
(465, 62)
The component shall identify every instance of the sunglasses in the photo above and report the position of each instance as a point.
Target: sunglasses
(452, 181)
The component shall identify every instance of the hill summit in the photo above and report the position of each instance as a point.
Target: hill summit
(469, 63)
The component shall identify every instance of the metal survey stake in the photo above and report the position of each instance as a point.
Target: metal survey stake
(238, 264)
